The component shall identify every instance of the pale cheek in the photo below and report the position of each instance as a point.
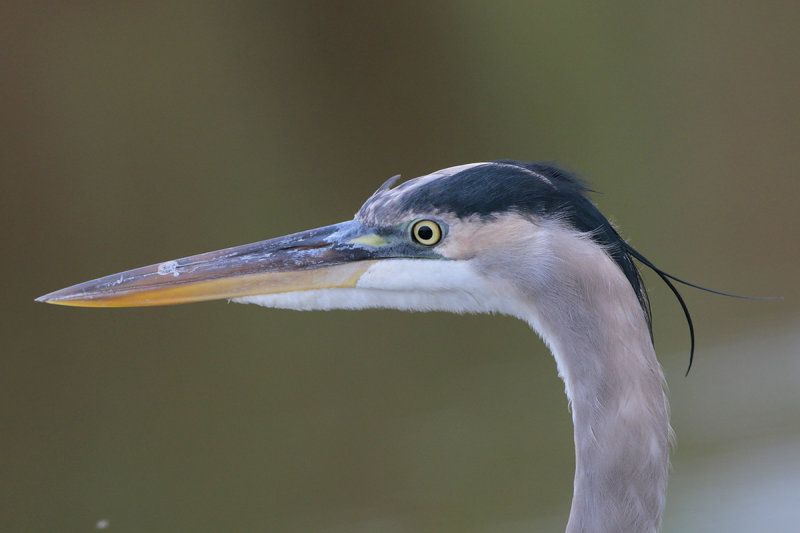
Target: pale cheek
(463, 249)
(418, 275)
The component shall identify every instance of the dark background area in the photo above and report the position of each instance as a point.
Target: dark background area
(133, 133)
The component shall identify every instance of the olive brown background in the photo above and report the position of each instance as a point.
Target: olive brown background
(136, 132)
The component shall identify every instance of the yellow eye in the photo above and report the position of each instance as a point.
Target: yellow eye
(426, 232)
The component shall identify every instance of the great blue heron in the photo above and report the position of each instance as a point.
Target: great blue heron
(507, 237)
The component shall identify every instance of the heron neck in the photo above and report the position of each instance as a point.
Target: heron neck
(598, 334)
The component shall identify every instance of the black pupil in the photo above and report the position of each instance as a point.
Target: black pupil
(424, 233)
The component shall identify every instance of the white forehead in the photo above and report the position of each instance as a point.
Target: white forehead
(415, 183)
(385, 197)
(422, 180)
(387, 204)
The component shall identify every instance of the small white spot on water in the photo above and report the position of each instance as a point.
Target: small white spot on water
(168, 267)
(102, 524)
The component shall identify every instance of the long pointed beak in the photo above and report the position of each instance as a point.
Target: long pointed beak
(329, 257)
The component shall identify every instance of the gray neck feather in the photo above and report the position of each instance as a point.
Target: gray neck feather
(586, 311)
(621, 420)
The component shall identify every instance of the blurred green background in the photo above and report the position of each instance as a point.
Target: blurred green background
(138, 132)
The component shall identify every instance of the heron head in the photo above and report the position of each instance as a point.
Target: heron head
(465, 239)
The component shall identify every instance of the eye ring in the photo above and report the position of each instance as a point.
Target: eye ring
(426, 232)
